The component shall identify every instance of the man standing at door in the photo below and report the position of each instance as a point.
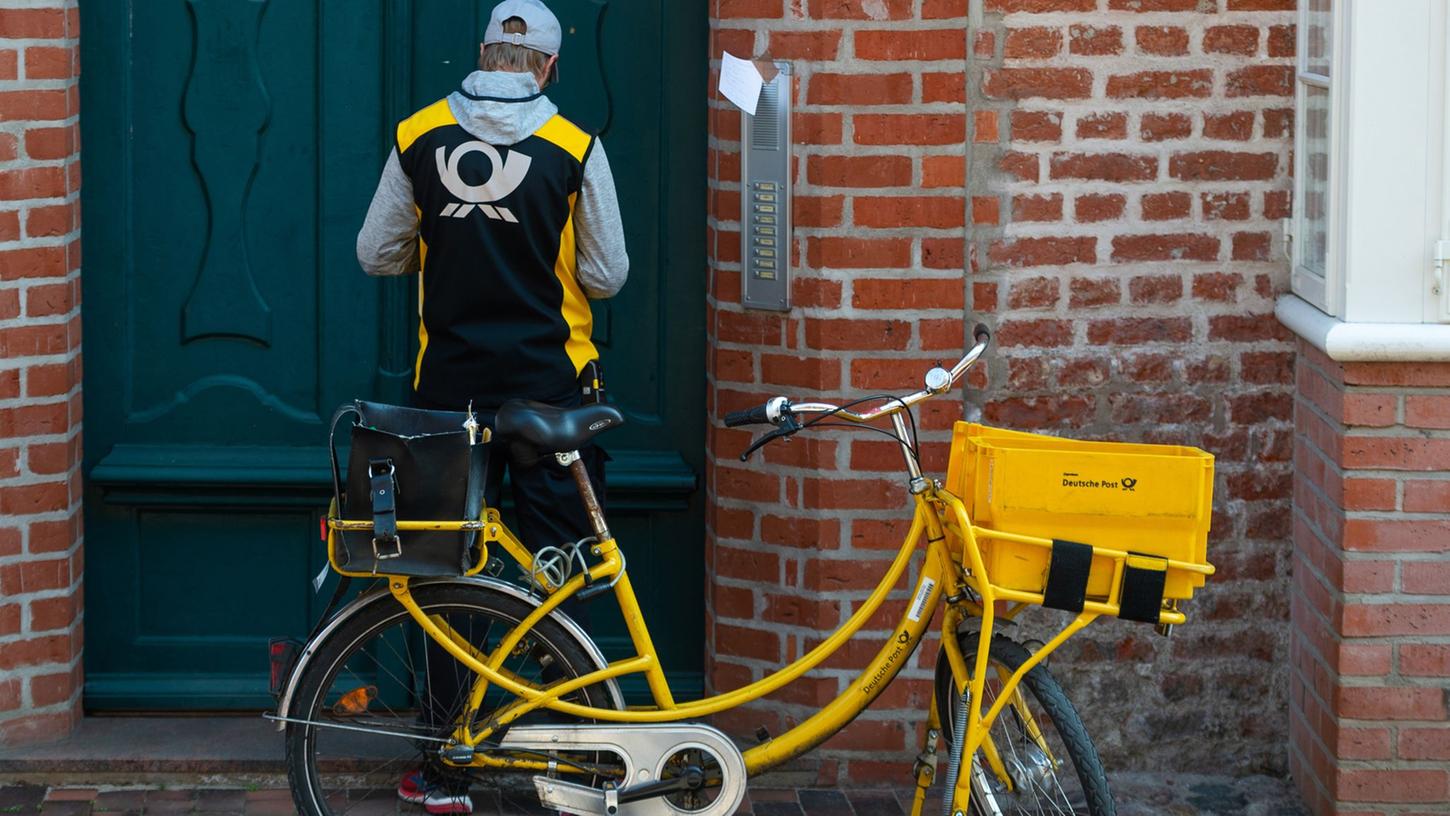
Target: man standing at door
(507, 212)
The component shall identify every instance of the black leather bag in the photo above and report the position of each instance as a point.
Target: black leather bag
(408, 464)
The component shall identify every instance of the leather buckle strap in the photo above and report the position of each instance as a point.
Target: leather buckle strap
(385, 509)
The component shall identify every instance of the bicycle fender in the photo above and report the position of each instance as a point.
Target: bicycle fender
(380, 594)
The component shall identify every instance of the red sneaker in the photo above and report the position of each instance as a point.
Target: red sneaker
(435, 798)
(440, 801)
(411, 788)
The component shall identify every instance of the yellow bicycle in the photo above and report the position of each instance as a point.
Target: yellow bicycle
(472, 676)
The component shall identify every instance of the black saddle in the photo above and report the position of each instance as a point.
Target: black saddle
(554, 430)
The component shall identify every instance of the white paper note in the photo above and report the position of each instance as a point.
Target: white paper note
(740, 82)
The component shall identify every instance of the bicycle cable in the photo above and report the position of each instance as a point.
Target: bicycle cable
(911, 445)
(881, 431)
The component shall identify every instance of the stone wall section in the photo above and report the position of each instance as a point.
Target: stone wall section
(1130, 173)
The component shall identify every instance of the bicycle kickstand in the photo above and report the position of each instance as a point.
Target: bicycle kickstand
(924, 769)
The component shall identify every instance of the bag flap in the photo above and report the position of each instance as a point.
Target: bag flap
(409, 422)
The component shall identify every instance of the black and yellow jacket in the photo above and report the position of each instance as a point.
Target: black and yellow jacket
(507, 211)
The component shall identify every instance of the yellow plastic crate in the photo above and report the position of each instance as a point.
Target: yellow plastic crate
(1150, 499)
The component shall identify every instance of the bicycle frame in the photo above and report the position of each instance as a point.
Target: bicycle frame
(953, 570)
(952, 566)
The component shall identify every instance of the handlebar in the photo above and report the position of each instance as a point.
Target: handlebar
(781, 412)
(938, 382)
(750, 416)
(767, 414)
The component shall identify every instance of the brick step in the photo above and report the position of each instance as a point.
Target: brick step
(246, 750)
(224, 751)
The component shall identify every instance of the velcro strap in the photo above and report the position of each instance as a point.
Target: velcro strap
(1067, 575)
(384, 502)
(1143, 579)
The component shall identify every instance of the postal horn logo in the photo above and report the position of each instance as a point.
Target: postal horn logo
(505, 176)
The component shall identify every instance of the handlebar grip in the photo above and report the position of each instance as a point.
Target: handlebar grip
(751, 416)
(981, 334)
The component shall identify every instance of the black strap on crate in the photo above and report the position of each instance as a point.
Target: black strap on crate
(1143, 580)
(1067, 575)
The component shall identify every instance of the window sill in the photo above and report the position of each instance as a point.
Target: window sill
(1364, 342)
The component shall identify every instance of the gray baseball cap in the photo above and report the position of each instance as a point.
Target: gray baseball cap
(543, 32)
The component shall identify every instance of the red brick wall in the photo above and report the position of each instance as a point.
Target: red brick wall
(1131, 165)
(1129, 162)
(40, 398)
(1371, 594)
(801, 534)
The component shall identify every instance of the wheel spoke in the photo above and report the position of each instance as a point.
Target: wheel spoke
(1047, 769)
(404, 694)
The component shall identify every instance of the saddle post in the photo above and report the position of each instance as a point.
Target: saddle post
(576, 467)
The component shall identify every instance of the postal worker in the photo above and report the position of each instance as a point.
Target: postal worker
(508, 214)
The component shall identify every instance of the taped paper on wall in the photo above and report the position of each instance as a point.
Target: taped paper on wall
(740, 82)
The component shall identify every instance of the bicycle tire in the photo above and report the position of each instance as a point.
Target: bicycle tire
(348, 640)
(1054, 702)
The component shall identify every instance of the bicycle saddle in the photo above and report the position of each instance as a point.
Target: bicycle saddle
(556, 430)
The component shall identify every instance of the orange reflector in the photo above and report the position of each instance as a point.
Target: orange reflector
(356, 701)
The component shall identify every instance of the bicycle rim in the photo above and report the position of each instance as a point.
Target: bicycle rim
(398, 695)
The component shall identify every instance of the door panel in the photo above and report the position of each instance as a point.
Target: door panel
(226, 316)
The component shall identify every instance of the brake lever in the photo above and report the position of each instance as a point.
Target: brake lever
(788, 427)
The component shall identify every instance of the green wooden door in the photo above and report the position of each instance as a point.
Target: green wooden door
(231, 149)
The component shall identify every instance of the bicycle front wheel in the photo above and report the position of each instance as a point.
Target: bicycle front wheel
(379, 700)
(1050, 764)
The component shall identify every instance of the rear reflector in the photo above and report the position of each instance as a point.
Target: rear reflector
(281, 657)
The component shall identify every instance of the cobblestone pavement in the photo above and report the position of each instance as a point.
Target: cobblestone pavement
(1137, 795)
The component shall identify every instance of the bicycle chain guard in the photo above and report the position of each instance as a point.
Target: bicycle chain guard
(648, 753)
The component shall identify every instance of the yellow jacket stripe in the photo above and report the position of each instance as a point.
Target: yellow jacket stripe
(435, 115)
(575, 307)
(567, 135)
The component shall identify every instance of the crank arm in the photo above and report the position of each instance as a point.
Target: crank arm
(692, 780)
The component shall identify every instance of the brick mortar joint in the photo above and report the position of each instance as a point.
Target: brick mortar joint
(37, 321)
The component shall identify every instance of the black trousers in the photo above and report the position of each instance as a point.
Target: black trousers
(548, 512)
(547, 509)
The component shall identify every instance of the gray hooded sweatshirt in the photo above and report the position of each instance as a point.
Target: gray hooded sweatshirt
(388, 241)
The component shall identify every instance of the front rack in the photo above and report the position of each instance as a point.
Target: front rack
(1111, 605)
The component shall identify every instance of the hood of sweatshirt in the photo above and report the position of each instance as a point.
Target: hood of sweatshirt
(501, 107)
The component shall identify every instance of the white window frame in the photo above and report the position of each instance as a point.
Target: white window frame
(1325, 292)
(1388, 203)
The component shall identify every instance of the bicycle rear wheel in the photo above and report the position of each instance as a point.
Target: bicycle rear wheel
(1051, 763)
(384, 699)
